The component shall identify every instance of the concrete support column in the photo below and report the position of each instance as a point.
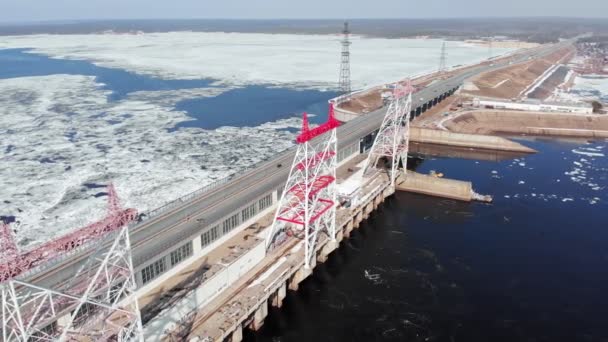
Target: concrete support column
(358, 218)
(300, 275)
(368, 209)
(237, 335)
(324, 253)
(277, 298)
(313, 264)
(259, 316)
(340, 234)
(377, 201)
(349, 227)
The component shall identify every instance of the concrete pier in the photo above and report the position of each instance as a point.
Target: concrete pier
(494, 121)
(475, 141)
(434, 186)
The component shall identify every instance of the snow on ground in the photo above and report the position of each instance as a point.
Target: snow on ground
(243, 58)
(592, 87)
(60, 132)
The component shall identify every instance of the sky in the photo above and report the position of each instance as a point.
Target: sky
(42, 10)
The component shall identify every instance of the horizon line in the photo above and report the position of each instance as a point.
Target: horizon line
(81, 20)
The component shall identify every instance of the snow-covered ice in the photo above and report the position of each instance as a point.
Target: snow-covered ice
(592, 87)
(60, 132)
(246, 58)
(588, 152)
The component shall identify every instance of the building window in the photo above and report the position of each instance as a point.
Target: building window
(181, 253)
(209, 236)
(87, 309)
(152, 271)
(346, 152)
(44, 333)
(265, 202)
(230, 223)
(248, 212)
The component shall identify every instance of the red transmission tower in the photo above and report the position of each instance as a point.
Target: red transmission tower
(94, 303)
(20, 263)
(308, 204)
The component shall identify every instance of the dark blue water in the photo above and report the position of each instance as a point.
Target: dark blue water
(530, 267)
(248, 106)
(255, 105)
(19, 63)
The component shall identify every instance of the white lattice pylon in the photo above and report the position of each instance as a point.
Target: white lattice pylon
(98, 304)
(308, 204)
(392, 140)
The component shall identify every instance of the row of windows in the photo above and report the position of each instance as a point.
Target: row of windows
(152, 271)
(230, 223)
(265, 202)
(209, 236)
(348, 151)
(367, 141)
(248, 212)
(86, 310)
(181, 253)
(44, 333)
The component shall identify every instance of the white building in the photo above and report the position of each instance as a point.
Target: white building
(532, 105)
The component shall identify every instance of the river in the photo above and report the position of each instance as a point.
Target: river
(529, 267)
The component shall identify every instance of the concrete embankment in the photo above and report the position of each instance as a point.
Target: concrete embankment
(530, 123)
(431, 150)
(439, 187)
(476, 141)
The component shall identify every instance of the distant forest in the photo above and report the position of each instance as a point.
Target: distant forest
(540, 30)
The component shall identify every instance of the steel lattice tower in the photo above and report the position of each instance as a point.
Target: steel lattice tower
(95, 303)
(308, 204)
(442, 60)
(392, 140)
(344, 84)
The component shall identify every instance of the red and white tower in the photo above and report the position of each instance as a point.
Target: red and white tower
(392, 140)
(95, 302)
(308, 203)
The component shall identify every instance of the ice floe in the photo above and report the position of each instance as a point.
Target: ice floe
(588, 153)
(245, 58)
(62, 140)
